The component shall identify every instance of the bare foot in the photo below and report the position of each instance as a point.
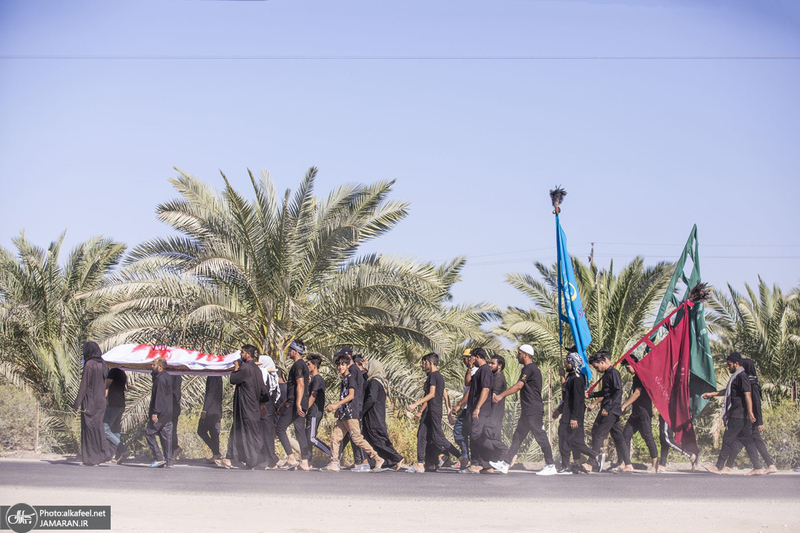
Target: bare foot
(726, 470)
(755, 472)
(628, 468)
(771, 469)
(712, 468)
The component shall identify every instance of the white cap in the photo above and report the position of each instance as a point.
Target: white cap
(527, 348)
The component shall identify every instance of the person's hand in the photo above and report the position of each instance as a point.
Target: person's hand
(203, 414)
(418, 414)
(586, 394)
(760, 428)
(573, 424)
(154, 418)
(331, 408)
(604, 412)
(410, 407)
(495, 398)
(707, 395)
(300, 412)
(752, 418)
(590, 407)
(451, 419)
(476, 413)
(236, 366)
(555, 414)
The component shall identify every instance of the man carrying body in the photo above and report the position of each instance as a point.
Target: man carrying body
(245, 442)
(737, 413)
(641, 418)
(529, 386)
(608, 421)
(208, 428)
(430, 436)
(159, 422)
(115, 407)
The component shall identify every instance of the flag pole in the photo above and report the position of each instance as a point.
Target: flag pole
(556, 197)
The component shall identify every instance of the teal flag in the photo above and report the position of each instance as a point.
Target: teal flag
(702, 377)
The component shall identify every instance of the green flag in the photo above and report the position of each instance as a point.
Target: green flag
(702, 378)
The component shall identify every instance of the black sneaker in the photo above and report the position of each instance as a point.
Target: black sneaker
(564, 471)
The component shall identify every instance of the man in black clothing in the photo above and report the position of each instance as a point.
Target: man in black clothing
(430, 436)
(641, 418)
(245, 441)
(159, 422)
(499, 386)
(608, 421)
(357, 380)
(297, 400)
(737, 413)
(177, 382)
(208, 428)
(758, 425)
(529, 386)
(115, 407)
(316, 402)
(485, 446)
(570, 427)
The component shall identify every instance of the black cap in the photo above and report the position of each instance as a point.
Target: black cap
(345, 350)
(736, 357)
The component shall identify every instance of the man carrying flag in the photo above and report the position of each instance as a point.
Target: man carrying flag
(568, 291)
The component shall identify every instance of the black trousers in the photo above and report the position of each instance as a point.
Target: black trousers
(312, 426)
(531, 423)
(603, 425)
(268, 436)
(300, 434)
(430, 438)
(282, 422)
(666, 438)
(208, 430)
(164, 433)
(738, 429)
(644, 425)
(571, 441)
(759, 444)
(378, 438)
(485, 444)
(176, 413)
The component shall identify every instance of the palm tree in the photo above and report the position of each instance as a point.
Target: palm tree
(43, 323)
(269, 270)
(619, 307)
(763, 326)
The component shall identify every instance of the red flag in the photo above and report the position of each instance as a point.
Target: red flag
(664, 373)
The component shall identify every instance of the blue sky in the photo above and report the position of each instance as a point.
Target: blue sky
(654, 115)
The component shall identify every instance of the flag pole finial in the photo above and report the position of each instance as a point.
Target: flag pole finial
(556, 197)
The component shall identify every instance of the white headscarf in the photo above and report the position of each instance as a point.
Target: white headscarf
(270, 374)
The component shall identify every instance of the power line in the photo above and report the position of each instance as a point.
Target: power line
(245, 57)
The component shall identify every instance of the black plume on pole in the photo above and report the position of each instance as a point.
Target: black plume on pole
(557, 196)
(700, 293)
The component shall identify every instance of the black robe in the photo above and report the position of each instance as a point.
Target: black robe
(245, 442)
(374, 423)
(161, 397)
(92, 401)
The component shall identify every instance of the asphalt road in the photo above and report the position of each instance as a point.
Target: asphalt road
(209, 479)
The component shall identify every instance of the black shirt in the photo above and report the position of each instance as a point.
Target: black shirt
(434, 408)
(346, 412)
(481, 380)
(739, 386)
(530, 397)
(299, 370)
(642, 407)
(356, 381)
(573, 404)
(611, 392)
(116, 390)
(212, 402)
(317, 384)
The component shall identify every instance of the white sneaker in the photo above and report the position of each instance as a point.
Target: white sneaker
(548, 470)
(500, 466)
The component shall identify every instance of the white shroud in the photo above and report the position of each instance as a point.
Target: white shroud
(139, 358)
